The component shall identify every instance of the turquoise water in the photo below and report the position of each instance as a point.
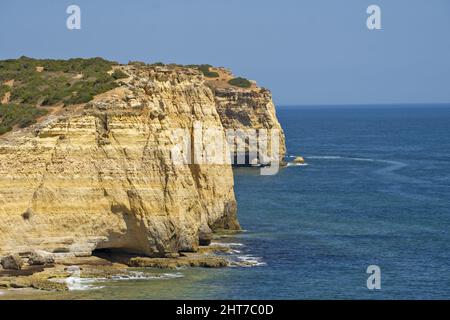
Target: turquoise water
(376, 190)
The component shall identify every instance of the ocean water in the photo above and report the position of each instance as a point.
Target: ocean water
(376, 191)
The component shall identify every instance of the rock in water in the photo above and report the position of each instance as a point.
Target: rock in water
(12, 262)
(298, 160)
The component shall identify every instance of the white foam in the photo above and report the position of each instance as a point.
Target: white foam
(227, 244)
(248, 261)
(81, 284)
(293, 164)
(136, 275)
(324, 157)
(392, 165)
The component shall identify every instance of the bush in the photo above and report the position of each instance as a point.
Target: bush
(3, 89)
(21, 115)
(204, 68)
(119, 74)
(58, 82)
(136, 63)
(240, 82)
(78, 98)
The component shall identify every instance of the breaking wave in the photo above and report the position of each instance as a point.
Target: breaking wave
(237, 258)
(75, 283)
(227, 244)
(293, 164)
(247, 260)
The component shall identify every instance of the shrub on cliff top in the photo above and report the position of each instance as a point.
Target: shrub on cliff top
(136, 63)
(240, 82)
(119, 74)
(20, 115)
(48, 82)
(204, 68)
(60, 81)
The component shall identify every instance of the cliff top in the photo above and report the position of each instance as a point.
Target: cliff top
(31, 90)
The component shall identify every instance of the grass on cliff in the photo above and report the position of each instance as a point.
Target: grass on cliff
(60, 81)
(48, 82)
(18, 115)
(240, 82)
(204, 68)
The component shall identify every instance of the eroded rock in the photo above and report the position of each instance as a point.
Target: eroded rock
(12, 262)
(38, 257)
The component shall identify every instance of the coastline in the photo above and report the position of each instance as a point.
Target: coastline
(70, 273)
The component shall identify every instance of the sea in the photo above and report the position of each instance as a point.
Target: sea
(374, 194)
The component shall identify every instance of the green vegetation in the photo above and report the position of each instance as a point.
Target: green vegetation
(3, 89)
(49, 82)
(240, 82)
(119, 74)
(21, 115)
(137, 63)
(61, 81)
(204, 68)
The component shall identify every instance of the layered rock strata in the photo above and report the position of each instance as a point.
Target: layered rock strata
(102, 175)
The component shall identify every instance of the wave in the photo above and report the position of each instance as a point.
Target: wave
(79, 284)
(75, 283)
(293, 164)
(236, 258)
(247, 260)
(393, 165)
(136, 275)
(324, 157)
(227, 244)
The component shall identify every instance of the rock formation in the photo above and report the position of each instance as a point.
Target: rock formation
(101, 175)
(247, 108)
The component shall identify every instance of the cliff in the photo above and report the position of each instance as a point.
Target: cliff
(102, 175)
(248, 108)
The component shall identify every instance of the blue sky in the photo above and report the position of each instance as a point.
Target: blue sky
(307, 52)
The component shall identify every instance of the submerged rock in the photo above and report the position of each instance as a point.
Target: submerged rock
(194, 260)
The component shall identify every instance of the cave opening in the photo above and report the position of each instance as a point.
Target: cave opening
(120, 255)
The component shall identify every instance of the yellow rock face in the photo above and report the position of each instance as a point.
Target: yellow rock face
(104, 177)
(250, 109)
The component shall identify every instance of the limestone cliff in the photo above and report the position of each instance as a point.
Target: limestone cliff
(246, 108)
(101, 175)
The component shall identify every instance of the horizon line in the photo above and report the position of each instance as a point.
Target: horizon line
(365, 104)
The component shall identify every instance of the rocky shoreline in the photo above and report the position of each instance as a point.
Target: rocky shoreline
(58, 275)
(96, 188)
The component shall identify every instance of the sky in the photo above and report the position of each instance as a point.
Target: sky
(310, 52)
